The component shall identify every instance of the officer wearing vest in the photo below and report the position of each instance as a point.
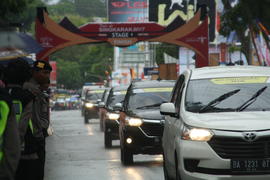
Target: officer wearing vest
(9, 138)
(16, 74)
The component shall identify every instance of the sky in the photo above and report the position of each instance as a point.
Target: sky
(53, 1)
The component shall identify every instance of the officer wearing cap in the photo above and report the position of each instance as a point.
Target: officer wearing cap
(33, 158)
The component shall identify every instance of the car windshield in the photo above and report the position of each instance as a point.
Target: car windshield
(115, 97)
(93, 96)
(145, 99)
(228, 95)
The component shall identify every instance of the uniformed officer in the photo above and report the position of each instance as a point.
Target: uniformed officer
(9, 137)
(40, 76)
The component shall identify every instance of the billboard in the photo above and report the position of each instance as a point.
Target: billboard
(164, 12)
(128, 11)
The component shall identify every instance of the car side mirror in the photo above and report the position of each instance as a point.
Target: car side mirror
(117, 107)
(101, 104)
(168, 109)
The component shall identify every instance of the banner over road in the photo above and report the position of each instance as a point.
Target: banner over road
(53, 37)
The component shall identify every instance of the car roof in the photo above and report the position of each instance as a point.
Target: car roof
(153, 83)
(229, 71)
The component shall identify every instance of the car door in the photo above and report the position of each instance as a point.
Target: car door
(169, 129)
(123, 113)
(177, 123)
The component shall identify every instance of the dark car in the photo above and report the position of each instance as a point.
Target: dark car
(102, 109)
(60, 104)
(91, 103)
(141, 124)
(111, 119)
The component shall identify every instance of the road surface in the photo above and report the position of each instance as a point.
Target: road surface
(76, 152)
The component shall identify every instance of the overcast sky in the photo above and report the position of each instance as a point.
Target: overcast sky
(53, 1)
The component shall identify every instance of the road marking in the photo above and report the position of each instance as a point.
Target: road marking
(134, 174)
(90, 130)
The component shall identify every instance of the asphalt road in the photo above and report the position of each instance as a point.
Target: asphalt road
(76, 152)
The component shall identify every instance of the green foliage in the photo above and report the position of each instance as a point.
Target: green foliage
(19, 11)
(92, 62)
(245, 17)
(64, 7)
(170, 49)
(74, 18)
(91, 8)
(68, 74)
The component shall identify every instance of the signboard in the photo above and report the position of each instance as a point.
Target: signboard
(128, 11)
(122, 34)
(164, 12)
(150, 71)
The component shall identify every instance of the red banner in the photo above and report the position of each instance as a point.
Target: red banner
(198, 40)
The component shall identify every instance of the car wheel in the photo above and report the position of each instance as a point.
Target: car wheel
(107, 139)
(166, 175)
(126, 156)
(85, 119)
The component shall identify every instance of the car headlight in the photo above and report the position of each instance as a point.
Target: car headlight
(89, 105)
(196, 134)
(113, 116)
(134, 121)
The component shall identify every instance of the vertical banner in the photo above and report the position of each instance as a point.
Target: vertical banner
(53, 76)
(223, 53)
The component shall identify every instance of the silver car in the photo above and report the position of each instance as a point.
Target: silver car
(217, 125)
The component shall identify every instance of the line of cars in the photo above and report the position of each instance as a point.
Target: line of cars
(212, 123)
(90, 97)
(131, 114)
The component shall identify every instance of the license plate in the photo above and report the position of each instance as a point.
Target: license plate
(250, 165)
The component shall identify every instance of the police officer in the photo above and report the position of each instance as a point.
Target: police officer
(16, 74)
(9, 136)
(40, 76)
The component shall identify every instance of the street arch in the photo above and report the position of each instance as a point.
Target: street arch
(53, 36)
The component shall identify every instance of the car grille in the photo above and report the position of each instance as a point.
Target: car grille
(152, 129)
(233, 148)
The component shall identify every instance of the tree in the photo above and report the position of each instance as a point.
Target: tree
(172, 50)
(18, 12)
(91, 60)
(64, 7)
(93, 8)
(243, 19)
(69, 74)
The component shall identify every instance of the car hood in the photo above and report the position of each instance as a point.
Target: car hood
(148, 114)
(235, 121)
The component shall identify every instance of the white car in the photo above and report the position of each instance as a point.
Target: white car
(217, 125)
